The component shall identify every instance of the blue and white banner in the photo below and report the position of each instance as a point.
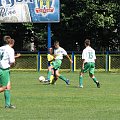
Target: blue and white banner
(36, 11)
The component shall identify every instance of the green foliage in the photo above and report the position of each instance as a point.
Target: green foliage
(91, 12)
(94, 19)
(101, 20)
(28, 26)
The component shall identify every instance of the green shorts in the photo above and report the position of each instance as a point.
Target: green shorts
(56, 64)
(90, 66)
(4, 77)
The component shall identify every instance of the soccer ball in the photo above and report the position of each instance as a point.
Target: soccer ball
(41, 78)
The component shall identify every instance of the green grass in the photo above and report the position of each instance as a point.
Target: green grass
(35, 101)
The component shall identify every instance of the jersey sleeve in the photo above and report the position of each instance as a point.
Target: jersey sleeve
(83, 54)
(11, 56)
(50, 57)
(94, 56)
(64, 52)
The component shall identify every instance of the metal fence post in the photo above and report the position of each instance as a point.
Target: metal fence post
(38, 61)
(73, 61)
(49, 35)
(107, 61)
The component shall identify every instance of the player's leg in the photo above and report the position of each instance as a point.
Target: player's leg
(55, 76)
(7, 95)
(57, 65)
(6, 76)
(49, 72)
(54, 65)
(86, 68)
(91, 74)
(52, 77)
(81, 80)
(62, 77)
(2, 87)
(7, 90)
(95, 80)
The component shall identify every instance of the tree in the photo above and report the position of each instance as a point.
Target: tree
(89, 18)
(98, 20)
(23, 33)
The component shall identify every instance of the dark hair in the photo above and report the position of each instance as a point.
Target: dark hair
(5, 38)
(87, 42)
(8, 40)
(56, 42)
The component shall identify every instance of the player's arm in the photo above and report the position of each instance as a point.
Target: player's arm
(69, 58)
(54, 56)
(12, 60)
(83, 62)
(17, 55)
(50, 58)
(83, 58)
(94, 57)
(65, 53)
(12, 63)
(13, 57)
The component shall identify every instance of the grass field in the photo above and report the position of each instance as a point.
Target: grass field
(35, 101)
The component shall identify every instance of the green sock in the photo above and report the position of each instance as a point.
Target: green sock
(62, 78)
(49, 74)
(7, 97)
(80, 80)
(94, 79)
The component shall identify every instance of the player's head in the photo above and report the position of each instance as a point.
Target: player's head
(50, 50)
(56, 44)
(9, 41)
(6, 38)
(87, 42)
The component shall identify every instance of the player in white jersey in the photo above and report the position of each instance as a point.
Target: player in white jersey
(7, 59)
(59, 52)
(88, 63)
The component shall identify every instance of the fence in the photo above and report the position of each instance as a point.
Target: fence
(38, 62)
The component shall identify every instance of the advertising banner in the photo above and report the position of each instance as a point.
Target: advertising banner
(35, 11)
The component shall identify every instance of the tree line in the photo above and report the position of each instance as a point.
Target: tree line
(98, 20)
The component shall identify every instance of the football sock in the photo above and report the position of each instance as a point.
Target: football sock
(51, 78)
(7, 97)
(62, 78)
(80, 80)
(49, 74)
(95, 80)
